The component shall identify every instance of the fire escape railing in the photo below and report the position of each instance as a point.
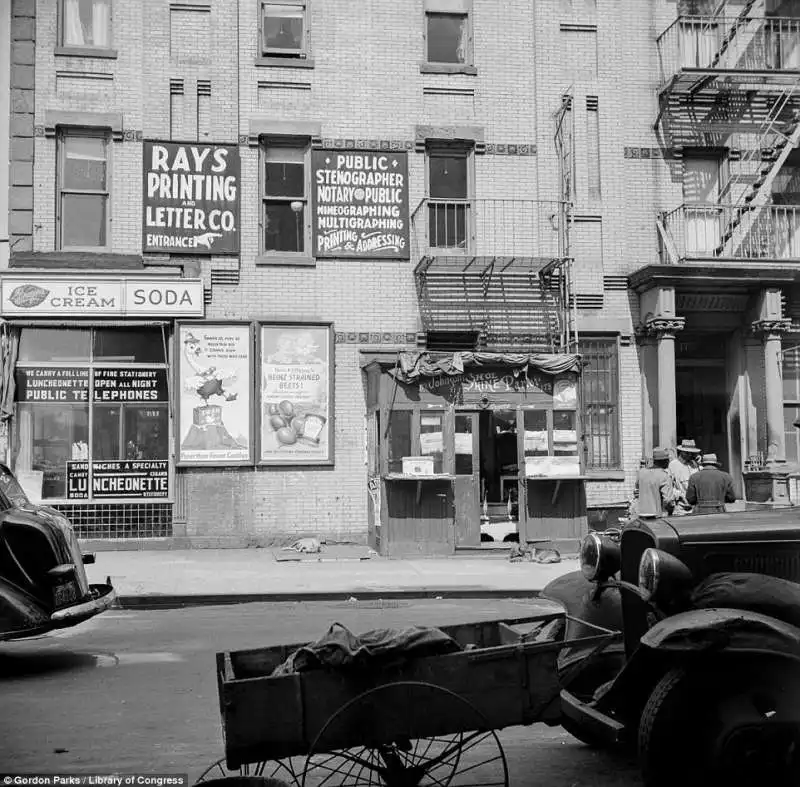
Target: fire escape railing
(698, 232)
(743, 43)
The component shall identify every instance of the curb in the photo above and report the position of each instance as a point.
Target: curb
(159, 601)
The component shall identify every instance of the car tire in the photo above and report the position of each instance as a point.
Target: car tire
(689, 722)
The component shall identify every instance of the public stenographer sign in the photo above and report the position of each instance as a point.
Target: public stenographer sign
(191, 198)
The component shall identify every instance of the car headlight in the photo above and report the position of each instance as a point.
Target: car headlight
(662, 574)
(599, 558)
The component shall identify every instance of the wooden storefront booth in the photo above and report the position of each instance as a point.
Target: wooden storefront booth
(471, 449)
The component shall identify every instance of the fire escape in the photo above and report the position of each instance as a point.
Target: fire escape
(732, 84)
(499, 269)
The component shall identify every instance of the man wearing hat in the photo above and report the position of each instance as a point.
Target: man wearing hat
(710, 488)
(682, 468)
(654, 492)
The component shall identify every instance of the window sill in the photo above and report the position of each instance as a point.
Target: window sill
(86, 51)
(301, 260)
(605, 475)
(284, 62)
(447, 68)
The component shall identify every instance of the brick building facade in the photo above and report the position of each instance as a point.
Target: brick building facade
(502, 115)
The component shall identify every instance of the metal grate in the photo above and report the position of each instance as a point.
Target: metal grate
(120, 520)
(224, 277)
(600, 401)
(583, 301)
(207, 295)
(612, 283)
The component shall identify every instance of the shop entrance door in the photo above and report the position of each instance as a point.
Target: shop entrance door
(487, 476)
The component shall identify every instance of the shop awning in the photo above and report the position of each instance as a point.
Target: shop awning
(413, 366)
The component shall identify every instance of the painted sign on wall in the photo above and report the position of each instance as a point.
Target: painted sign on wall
(52, 385)
(191, 198)
(360, 204)
(87, 297)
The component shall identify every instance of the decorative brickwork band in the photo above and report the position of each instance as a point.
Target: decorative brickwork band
(767, 328)
(664, 327)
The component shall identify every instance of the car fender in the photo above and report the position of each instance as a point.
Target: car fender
(717, 630)
(19, 611)
(580, 599)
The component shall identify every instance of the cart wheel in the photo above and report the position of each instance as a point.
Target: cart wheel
(370, 741)
(270, 773)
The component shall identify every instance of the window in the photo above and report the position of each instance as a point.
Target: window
(283, 29)
(448, 38)
(593, 148)
(92, 417)
(600, 402)
(448, 205)
(284, 199)
(791, 398)
(86, 23)
(83, 191)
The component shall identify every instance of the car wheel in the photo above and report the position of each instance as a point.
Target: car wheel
(735, 723)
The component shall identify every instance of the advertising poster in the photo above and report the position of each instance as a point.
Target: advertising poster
(118, 479)
(191, 198)
(214, 394)
(360, 204)
(296, 394)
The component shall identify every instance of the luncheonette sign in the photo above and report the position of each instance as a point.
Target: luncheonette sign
(360, 204)
(191, 198)
(87, 297)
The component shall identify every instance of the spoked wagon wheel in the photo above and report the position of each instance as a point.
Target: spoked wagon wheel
(400, 735)
(270, 773)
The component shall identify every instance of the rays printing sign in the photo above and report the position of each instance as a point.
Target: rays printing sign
(191, 198)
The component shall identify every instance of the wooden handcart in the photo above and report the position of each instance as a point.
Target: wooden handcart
(425, 721)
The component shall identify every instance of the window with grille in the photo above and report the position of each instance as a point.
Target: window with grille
(791, 398)
(600, 403)
(449, 209)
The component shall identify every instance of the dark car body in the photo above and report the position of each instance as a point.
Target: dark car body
(727, 603)
(43, 583)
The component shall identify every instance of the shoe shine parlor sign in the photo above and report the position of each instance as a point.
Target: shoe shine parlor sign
(86, 297)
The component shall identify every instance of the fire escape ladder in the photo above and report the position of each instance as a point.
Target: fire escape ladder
(746, 214)
(738, 26)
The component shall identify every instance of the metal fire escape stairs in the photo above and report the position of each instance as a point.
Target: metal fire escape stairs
(777, 138)
(740, 30)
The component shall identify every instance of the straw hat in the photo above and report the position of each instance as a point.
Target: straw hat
(709, 459)
(660, 454)
(688, 447)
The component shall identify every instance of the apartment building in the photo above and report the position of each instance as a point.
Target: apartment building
(422, 274)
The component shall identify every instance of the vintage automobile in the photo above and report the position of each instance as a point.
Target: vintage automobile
(43, 584)
(706, 680)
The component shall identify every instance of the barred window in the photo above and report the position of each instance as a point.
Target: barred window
(600, 403)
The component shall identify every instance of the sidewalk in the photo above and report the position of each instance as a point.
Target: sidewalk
(175, 578)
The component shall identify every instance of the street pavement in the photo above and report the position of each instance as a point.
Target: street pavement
(135, 690)
(170, 578)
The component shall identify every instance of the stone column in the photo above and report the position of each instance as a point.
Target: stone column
(770, 332)
(664, 329)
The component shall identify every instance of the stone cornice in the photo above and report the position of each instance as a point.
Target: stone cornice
(774, 327)
(663, 326)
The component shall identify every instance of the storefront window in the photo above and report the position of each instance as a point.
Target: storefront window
(565, 439)
(94, 425)
(463, 445)
(537, 439)
(50, 345)
(128, 345)
(399, 429)
(431, 438)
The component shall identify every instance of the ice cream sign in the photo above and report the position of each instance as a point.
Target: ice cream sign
(360, 202)
(60, 297)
